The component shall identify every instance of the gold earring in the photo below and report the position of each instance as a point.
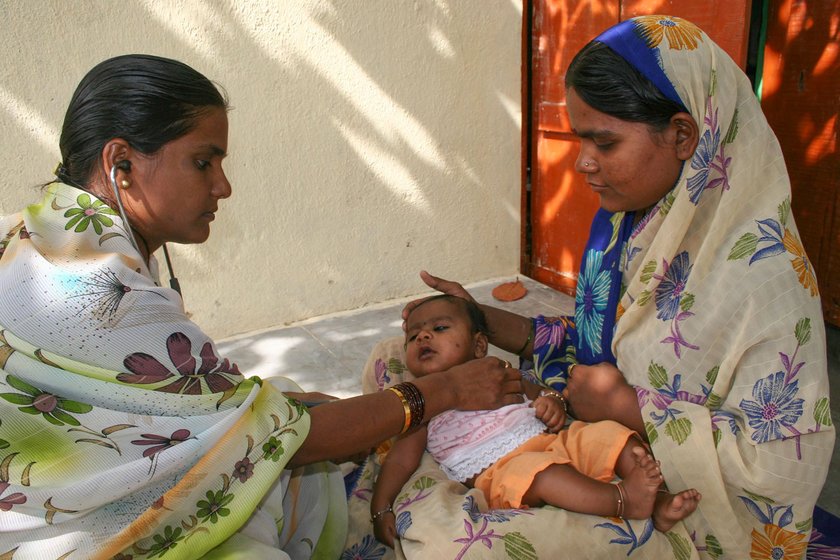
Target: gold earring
(125, 183)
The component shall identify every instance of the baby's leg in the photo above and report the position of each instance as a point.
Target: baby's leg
(668, 508)
(640, 479)
(562, 486)
(671, 508)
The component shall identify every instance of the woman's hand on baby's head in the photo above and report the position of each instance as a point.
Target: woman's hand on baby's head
(447, 287)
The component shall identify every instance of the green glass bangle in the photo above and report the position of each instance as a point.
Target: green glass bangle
(527, 340)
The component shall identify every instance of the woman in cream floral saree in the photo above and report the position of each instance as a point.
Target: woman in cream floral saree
(697, 318)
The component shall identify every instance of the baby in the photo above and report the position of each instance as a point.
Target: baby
(518, 456)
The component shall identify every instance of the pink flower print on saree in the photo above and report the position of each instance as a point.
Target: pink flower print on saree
(158, 444)
(146, 370)
(11, 500)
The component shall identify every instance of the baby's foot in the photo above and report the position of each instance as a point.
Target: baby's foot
(640, 486)
(671, 508)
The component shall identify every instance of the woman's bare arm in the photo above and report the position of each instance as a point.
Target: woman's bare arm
(345, 427)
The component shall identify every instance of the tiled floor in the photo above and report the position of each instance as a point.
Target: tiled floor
(328, 353)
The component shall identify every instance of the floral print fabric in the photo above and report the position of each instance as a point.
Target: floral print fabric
(123, 433)
(719, 325)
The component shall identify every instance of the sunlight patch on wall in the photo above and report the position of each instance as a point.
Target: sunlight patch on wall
(512, 108)
(315, 45)
(29, 120)
(386, 166)
(191, 20)
(441, 42)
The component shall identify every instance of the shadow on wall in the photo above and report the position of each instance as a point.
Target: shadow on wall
(802, 70)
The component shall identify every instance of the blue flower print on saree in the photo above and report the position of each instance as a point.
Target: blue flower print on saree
(561, 341)
(586, 338)
(710, 162)
(775, 238)
(672, 286)
(591, 297)
(599, 287)
(368, 549)
(775, 409)
(626, 532)
(666, 391)
(673, 302)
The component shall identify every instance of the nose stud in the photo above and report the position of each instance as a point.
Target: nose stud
(586, 164)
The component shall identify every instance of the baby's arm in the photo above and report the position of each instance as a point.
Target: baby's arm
(549, 405)
(400, 463)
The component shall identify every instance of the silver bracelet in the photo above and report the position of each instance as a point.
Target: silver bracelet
(378, 514)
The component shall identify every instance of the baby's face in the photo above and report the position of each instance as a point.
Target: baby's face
(438, 336)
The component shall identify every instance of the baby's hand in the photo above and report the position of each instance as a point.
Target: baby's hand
(550, 408)
(385, 528)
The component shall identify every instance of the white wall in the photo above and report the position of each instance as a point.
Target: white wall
(368, 139)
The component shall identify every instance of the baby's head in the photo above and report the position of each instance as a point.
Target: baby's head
(444, 331)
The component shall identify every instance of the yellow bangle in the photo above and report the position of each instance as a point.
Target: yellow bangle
(406, 408)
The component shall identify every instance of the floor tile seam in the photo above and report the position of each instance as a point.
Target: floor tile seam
(347, 370)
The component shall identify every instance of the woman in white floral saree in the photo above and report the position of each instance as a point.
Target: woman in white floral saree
(697, 318)
(123, 433)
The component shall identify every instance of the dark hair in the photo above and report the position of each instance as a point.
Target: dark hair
(145, 100)
(478, 322)
(608, 83)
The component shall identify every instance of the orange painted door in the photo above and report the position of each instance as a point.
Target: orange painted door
(801, 81)
(560, 203)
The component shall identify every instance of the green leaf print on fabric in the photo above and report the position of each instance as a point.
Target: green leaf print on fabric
(423, 482)
(822, 412)
(744, 247)
(777, 239)
(518, 547)
(166, 542)
(53, 408)
(652, 432)
(648, 271)
(89, 212)
(679, 429)
(713, 547)
(714, 400)
(657, 375)
(272, 449)
(802, 331)
(682, 548)
(667, 390)
(214, 506)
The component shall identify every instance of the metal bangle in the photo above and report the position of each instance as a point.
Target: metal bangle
(378, 514)
(527, 340)
(557, 395)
